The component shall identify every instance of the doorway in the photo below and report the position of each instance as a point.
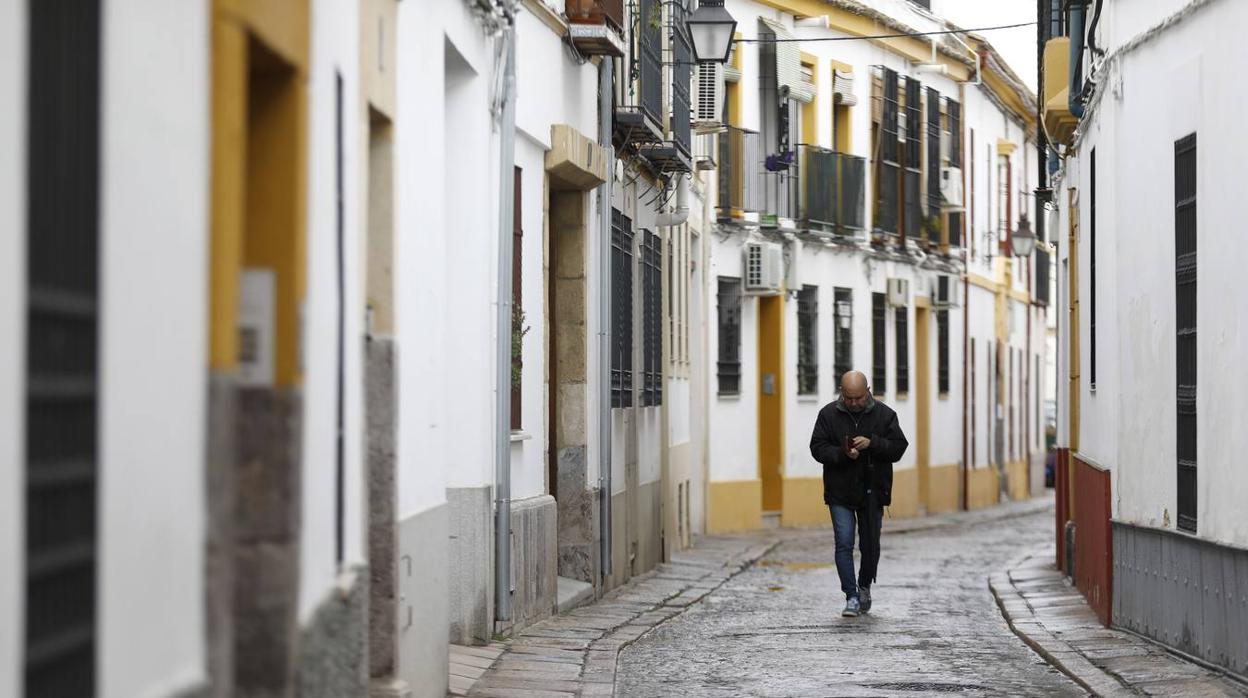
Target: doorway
(771, 405)
(922, 395)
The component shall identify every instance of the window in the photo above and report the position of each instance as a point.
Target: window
(933, 167)
(901, 320)
(912, 176)
(888, 171)
(1092, 271)
(879, 360)
(955, 228)
(621, 310)
(728, 368)
(62, 553)
(651, 321)
(1185, 324)
(1003, 205)
(942, 351)
(517, 313)
(954, 118)
(843, 333)
(808, 340)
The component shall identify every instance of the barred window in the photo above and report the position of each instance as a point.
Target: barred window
(942, 350)
(912, 206)
(1185, 234)
(954, 111)
(728, 367)
(652, 314)
(843, 332)
(901, 322)
(621, 310)
(879, 365)
(808, 340)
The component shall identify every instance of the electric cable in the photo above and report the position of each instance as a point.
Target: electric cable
(884, 36)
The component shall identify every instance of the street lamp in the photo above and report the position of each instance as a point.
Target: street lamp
(1023, 240)
(711, 28)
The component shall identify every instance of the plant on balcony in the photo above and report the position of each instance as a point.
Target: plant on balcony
(930, 225)
(518, 330)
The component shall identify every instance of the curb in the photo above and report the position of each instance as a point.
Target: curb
(1021, 619)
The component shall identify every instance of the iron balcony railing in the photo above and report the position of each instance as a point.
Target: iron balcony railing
(832, 190)
(681, 80)
(650, 40)
(741, 182)
(1041, 290)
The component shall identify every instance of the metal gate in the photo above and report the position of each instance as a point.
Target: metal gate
(62, 332)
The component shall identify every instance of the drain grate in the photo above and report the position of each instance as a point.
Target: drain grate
(927, 687)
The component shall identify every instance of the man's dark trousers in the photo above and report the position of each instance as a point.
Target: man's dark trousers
(867, 517)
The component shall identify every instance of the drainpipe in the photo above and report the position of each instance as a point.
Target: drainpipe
(681, 214)
(502, 404)
(605, 91)
(1075, 89)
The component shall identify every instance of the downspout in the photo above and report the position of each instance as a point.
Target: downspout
(681, 214)
(1075, 89)
(605, 90)
(966, 317)
(502, 406)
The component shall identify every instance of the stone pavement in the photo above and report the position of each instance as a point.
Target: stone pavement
(575, 653)
(1052, 617)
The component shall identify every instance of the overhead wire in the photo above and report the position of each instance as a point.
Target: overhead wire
(901, 35)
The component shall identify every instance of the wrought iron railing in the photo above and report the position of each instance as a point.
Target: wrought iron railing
(681, 80)
(1041, 286)
(832, 190)
(650, 39)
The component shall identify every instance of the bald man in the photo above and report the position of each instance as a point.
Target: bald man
(857, 439)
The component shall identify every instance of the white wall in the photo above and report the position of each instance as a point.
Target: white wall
(733, 427)
(13, 349)
(335, 50)
(154, 234)
(1134, 139)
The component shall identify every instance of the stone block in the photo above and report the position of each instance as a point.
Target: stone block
(333, 646)
(471, 546)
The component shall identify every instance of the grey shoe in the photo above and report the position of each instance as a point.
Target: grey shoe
(864, 595)
(851, 608)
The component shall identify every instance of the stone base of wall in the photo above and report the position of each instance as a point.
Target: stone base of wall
(578, 518)
(534, 551)
(423, 612)
(1183, 592)
(333, 646)
(471, 555)
(649, 527)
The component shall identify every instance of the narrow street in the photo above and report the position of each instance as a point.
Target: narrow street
(776, 629)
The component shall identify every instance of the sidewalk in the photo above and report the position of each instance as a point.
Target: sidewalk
(1052, 617)
(574, 654)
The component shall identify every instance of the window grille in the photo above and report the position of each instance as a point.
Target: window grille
(728, 366)
(807, 340)
(1185, 232)
(879, 360)
(621, 310)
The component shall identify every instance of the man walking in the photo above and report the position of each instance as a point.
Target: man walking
(857, 440)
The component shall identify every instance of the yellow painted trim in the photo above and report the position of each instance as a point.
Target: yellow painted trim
(810, 111)
(983, 282)
(922, 301)
(841, 67)
(229, 146)
(842, 118)
(281, 25)
(913, 49)
(548, 17)
(732, 90)
(1021, 296)
(803, 503)
(771, 311)
(1005, 147)
(1011, 98)
(734, 505)
(1019, 480)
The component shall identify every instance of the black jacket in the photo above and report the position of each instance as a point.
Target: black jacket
(845, 480)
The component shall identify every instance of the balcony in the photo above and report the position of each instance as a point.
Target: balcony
(1040, 289)
(740, 165)
(832, 190)
(1058, 120)
(641, 123)
(675, 155)
(595, 26)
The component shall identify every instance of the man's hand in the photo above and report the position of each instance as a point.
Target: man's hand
(853, 454)
(861, 443)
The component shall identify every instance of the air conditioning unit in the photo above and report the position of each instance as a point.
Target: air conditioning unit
(764, 268)
(945, 291)
(708, 96)
(899, 292)
(951, 186)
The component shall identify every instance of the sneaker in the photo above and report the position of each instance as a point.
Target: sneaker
(851, 608)
(864, 595)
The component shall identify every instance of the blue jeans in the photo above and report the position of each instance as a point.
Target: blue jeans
(867, 518)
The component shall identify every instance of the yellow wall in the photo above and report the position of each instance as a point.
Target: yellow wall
(905, 493)
(734, 505)
(1019, 486)
(810, 112)
(803, 502)
(842, 123)
(945, 486)
(982, 485)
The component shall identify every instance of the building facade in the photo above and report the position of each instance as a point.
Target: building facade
(1151, 522)
(867, 193)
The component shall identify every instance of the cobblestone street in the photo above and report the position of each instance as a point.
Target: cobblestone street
(776, 629)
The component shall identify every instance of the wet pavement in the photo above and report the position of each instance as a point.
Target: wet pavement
(776, 630)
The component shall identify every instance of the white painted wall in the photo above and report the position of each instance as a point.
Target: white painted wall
(1134, 138)
(335, 51)
(13, 349)
(733, 426)
(153, 232)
